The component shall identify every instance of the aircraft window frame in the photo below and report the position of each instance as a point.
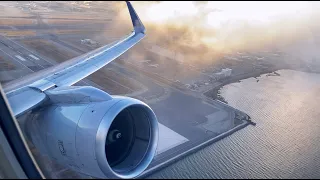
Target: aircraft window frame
(14, 136)
(9, 165)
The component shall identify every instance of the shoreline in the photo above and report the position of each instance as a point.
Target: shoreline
(192, 150)
(214, 94)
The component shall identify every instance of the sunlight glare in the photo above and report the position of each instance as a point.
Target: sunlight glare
(250, 11)
(163, 11)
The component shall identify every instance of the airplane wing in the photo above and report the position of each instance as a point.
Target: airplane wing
(82, 127)
(28, 92)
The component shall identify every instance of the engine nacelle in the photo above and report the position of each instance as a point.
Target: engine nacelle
(94, 133)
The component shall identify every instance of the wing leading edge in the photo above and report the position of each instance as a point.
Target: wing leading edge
(71, 71)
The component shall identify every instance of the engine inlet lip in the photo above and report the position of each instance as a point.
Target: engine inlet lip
(103, 132)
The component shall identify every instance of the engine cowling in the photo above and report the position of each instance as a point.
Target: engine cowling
(102, 136)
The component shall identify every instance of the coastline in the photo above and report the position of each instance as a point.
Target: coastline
(214, 94)
(192, 150)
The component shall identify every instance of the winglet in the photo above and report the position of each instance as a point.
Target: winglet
(137, 24)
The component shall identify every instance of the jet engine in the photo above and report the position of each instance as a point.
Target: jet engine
(94, 133)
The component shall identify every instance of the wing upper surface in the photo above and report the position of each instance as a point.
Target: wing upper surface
(76, 69)
(33, 86)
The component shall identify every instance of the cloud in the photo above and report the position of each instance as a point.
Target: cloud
(189, 34)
